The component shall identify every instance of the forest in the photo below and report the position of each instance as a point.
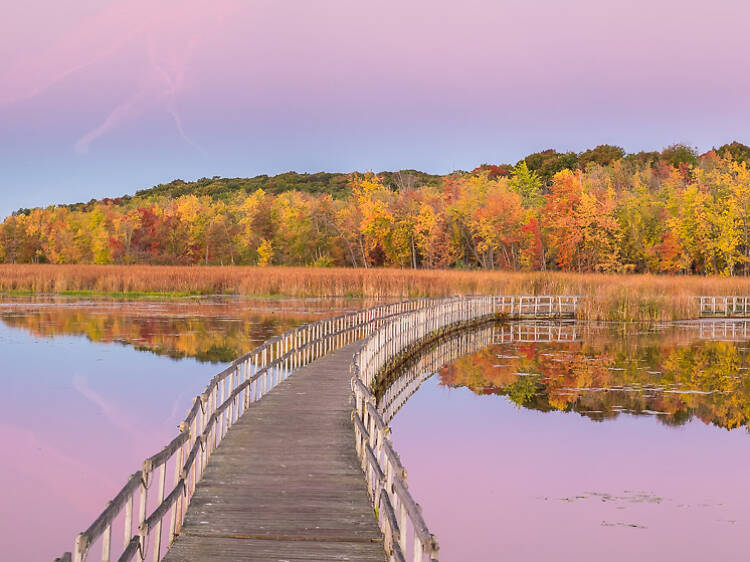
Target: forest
(601, 210)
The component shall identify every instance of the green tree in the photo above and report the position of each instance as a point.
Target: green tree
(677, 154)
(736, 151)
(604, 155)
(527, 184)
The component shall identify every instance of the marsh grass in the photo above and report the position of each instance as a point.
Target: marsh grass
(611, 297)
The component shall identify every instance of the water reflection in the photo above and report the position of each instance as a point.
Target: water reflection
(671, 372)
(215, 330)
(502, 439)
(83, 405)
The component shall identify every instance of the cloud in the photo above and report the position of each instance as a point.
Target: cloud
(118, 115)
(172, 80)
(170, 30)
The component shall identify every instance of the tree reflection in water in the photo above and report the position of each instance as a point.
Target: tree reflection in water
(668, 372)
(215, 330)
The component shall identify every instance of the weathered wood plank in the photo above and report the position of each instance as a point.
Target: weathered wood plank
(249, 550)
(285, 484)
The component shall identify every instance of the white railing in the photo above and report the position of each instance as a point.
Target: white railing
(400, 517)
(536, 332)
(539, 306)
(718, 329)
(401, 520)
(724, 330)
(725, 306)
(136, 513)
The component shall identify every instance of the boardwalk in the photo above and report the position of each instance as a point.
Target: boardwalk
(728, 307)
(285, 484)
(286, 481)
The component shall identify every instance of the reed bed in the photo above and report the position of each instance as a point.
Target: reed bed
(608, 296)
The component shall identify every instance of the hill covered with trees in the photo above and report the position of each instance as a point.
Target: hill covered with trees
(336, 185)
(673, 211)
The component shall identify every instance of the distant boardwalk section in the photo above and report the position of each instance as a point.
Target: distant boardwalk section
(535, 307)
(727, 307)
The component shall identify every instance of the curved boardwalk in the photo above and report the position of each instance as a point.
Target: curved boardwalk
(285, 483)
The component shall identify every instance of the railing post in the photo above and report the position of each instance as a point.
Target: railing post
(176, 507)
(128, 524)
(159, 499)
(107, 543)
(80, 548)
(142, 509)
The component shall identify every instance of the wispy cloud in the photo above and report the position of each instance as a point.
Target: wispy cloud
(170, 31)
(172, 79)
(117, 116)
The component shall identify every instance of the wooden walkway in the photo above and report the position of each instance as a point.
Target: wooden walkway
(278, 461)
(727, 307)
(285, 483)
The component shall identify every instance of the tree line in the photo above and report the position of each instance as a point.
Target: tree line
(601, 210)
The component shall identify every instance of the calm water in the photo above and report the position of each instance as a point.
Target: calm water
(624, 444)
(627, 444)
(91, 388)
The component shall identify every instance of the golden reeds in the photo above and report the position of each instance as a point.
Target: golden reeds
(608, 296)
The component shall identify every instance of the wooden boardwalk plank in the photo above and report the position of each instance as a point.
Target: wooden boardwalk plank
(265, 551)
(285, 483)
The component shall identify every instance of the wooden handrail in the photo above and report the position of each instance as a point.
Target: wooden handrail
(391, 526)
(130, 550)
(101, 522)
(162, 456)
(163, 507)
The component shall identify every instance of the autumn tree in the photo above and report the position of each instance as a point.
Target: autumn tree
(527, 184)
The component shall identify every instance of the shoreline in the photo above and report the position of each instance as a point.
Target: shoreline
(608, 297)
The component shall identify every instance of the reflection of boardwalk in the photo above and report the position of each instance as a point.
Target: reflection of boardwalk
(724, 330)
(527, 332)
(463, 343)
(285, 484)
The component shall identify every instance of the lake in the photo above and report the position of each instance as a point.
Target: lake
(617, 443)
(93, 387)
(526, 441)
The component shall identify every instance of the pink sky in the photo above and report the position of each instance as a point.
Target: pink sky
(102, 98)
